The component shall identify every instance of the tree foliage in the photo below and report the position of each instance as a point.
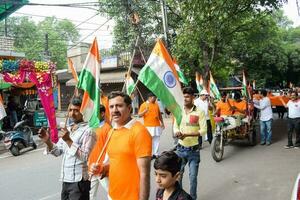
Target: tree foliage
(223, 36)
(29, 37)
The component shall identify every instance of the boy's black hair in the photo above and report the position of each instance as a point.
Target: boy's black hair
(76, 101)
(168, 161)
(188, 90)
(115, 94)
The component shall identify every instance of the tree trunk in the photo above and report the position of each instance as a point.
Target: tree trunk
(206, 64)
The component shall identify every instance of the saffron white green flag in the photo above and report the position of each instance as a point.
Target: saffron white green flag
(244, 87)
(129, 84)
(180, 74)
(159, 76)
(213, 87)
(199, 82)
(89, 82)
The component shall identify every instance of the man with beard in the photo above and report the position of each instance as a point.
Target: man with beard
(75, 145)
(129, 151)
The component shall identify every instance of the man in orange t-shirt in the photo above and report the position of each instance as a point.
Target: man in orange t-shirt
(129, 152)
(222, 106)
(238, 105)
(153, 121)
(98, 177)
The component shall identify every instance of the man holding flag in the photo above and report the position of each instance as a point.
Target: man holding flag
(75, 144)
(129, 151)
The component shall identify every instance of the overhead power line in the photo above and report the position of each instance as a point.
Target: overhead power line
(44, 16)
(90, 34)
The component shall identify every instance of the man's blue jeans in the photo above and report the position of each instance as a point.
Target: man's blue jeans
(266, 131)
(192, 158)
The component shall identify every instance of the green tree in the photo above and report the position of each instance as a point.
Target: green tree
(30, 37)
(202, 31)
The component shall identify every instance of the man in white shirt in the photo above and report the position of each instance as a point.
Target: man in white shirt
(266, 118)
(293, 120)
(203, 103)
(75, 145)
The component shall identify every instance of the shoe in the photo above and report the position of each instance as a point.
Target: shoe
(200, 146)
(288, 146)
(268, 143)
(262, 143)
(297, 147)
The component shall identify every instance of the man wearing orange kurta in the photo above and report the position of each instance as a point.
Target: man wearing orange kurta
(153, 121)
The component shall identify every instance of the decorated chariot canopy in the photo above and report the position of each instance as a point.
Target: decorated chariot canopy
(40, 73)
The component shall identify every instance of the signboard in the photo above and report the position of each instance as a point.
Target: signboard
(39, 119)
(109, 62)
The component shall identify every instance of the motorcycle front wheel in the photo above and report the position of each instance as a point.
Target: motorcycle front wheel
(14, 150)
(217, 148)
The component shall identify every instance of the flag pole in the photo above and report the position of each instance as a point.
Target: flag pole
(135, 86)
(74, 95)
(140, 94)
(131, 61)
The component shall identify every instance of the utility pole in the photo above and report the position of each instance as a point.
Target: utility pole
(298, 7)
(46, 52)
(5, 28)
(164, 19)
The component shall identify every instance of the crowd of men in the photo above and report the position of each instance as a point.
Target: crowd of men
(117, 155)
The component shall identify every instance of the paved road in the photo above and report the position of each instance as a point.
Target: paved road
(246, 173)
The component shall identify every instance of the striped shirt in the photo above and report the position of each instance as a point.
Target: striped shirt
(74, 163)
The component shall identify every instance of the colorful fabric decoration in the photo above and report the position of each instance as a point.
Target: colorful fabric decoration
(39, 73)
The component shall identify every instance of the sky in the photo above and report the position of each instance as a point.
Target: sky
(76, 15)
(104, 34)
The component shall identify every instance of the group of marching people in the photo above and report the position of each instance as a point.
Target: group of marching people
(118, 154)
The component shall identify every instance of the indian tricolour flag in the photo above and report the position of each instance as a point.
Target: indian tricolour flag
(180, 74)
(213, 87)
(159, 76)
(89, 82)
(244, 87)
(129, 84)
(199, 82)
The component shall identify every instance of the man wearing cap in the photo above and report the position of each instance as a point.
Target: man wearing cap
(153, 121)
(203, 103)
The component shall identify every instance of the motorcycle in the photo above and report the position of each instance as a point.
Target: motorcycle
(19, 138)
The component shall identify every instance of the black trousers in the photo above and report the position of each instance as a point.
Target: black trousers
(209, 133)
(76, 191)
(294, 124)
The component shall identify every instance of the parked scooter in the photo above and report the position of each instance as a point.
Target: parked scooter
(19, 138)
